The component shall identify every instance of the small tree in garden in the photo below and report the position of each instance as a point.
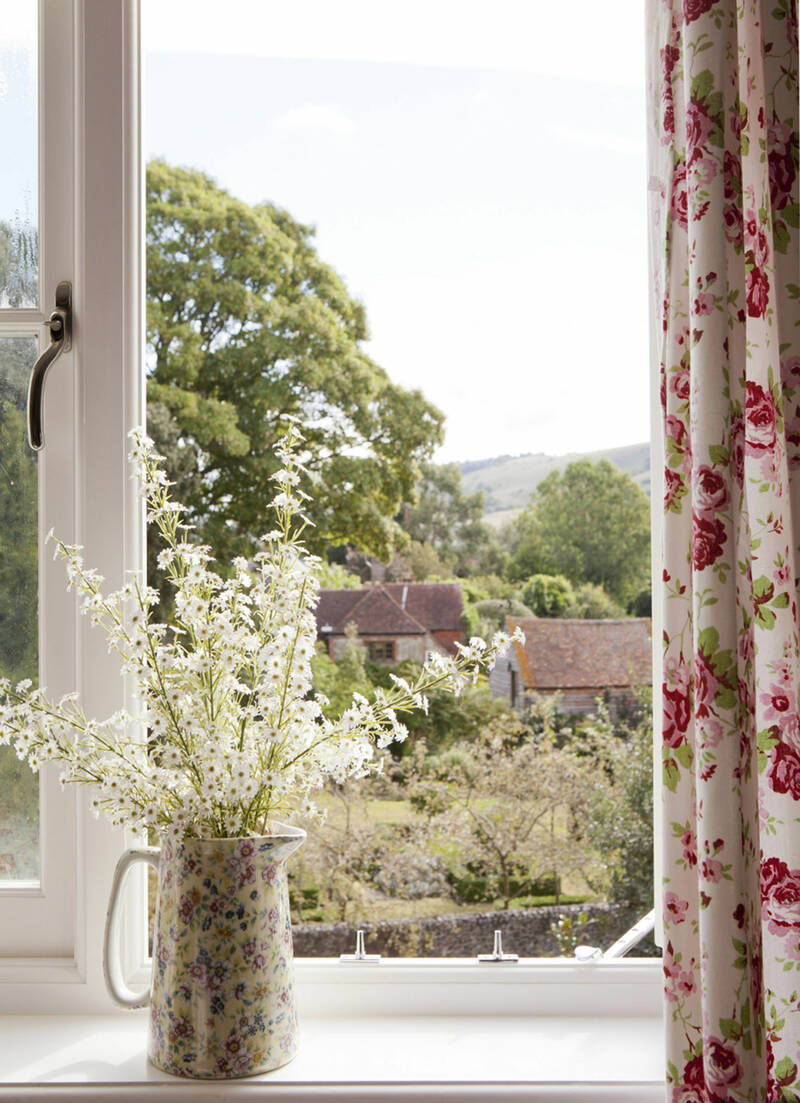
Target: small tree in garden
(619, 807)
(338, 861)
(505, 804)
(355, 861)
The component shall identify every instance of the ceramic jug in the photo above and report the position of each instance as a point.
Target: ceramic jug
(222, 994)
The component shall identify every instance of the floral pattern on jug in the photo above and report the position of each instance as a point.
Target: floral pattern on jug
(222, 1003)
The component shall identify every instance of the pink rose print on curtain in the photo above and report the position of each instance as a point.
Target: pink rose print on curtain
(708, 536)
(757, 289)
(782, 168)
(679, 196)
(727, 209)
(693, 9)
(761, 420)
(784, 772)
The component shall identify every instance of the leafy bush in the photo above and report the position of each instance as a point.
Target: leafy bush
(480, 888)
(548, 595)
(619, 812)
(593, 603)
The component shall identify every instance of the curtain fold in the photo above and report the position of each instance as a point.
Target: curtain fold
(724, 181)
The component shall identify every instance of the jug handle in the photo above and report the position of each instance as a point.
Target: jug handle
(120, 993)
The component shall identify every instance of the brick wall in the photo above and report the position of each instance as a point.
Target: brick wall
(525, 932)
(448, 640)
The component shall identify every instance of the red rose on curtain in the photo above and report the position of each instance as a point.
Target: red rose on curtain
(761, 420)
(757, 292)
(708, 536)
(693, 9)
(780, 893)
(723, 1069)
(673, 487)
(692, 1088)
(784, 771)
(698, 129)
(679, 200)
(710, 490)
(782, 171)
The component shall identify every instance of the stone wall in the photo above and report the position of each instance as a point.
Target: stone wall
(525, 932)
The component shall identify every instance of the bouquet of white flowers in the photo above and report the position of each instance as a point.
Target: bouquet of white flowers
(235, 736)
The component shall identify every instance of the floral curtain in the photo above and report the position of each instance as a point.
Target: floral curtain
(724, 178)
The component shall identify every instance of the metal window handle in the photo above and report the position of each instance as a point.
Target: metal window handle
(60, 324)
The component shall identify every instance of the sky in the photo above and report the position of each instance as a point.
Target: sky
(475, 174)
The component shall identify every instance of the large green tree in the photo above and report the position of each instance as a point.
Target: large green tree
(591, 523)
(246, 324)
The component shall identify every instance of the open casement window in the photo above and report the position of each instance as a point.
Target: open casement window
(70, 212)
(86, 210)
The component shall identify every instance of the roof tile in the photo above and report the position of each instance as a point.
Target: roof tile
(583, 654)
(400, 608)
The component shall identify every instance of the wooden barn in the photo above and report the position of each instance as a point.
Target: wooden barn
(580, 660)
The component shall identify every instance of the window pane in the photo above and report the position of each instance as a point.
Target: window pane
(19, 789)
(18, 180)
(312, 219)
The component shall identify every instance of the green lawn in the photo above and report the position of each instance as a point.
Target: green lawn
(392, 812)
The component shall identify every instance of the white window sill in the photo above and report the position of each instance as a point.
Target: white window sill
(562, 1059)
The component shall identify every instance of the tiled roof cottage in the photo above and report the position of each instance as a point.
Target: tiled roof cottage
(580, 660)
(395, 621)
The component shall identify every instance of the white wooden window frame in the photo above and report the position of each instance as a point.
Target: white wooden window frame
(94, 46)
(40, 918)
(90, 204)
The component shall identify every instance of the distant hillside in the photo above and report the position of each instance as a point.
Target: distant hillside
(509, 481)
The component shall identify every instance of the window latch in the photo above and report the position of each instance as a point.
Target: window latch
(60, 325)
(497, 957)
(360, 957)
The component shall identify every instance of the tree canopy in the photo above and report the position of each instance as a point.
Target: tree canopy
(548, 595)
(246, 324)
(590, 523)
(450, 523)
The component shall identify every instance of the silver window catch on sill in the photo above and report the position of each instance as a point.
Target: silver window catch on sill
(360, 957)
(497, 956)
